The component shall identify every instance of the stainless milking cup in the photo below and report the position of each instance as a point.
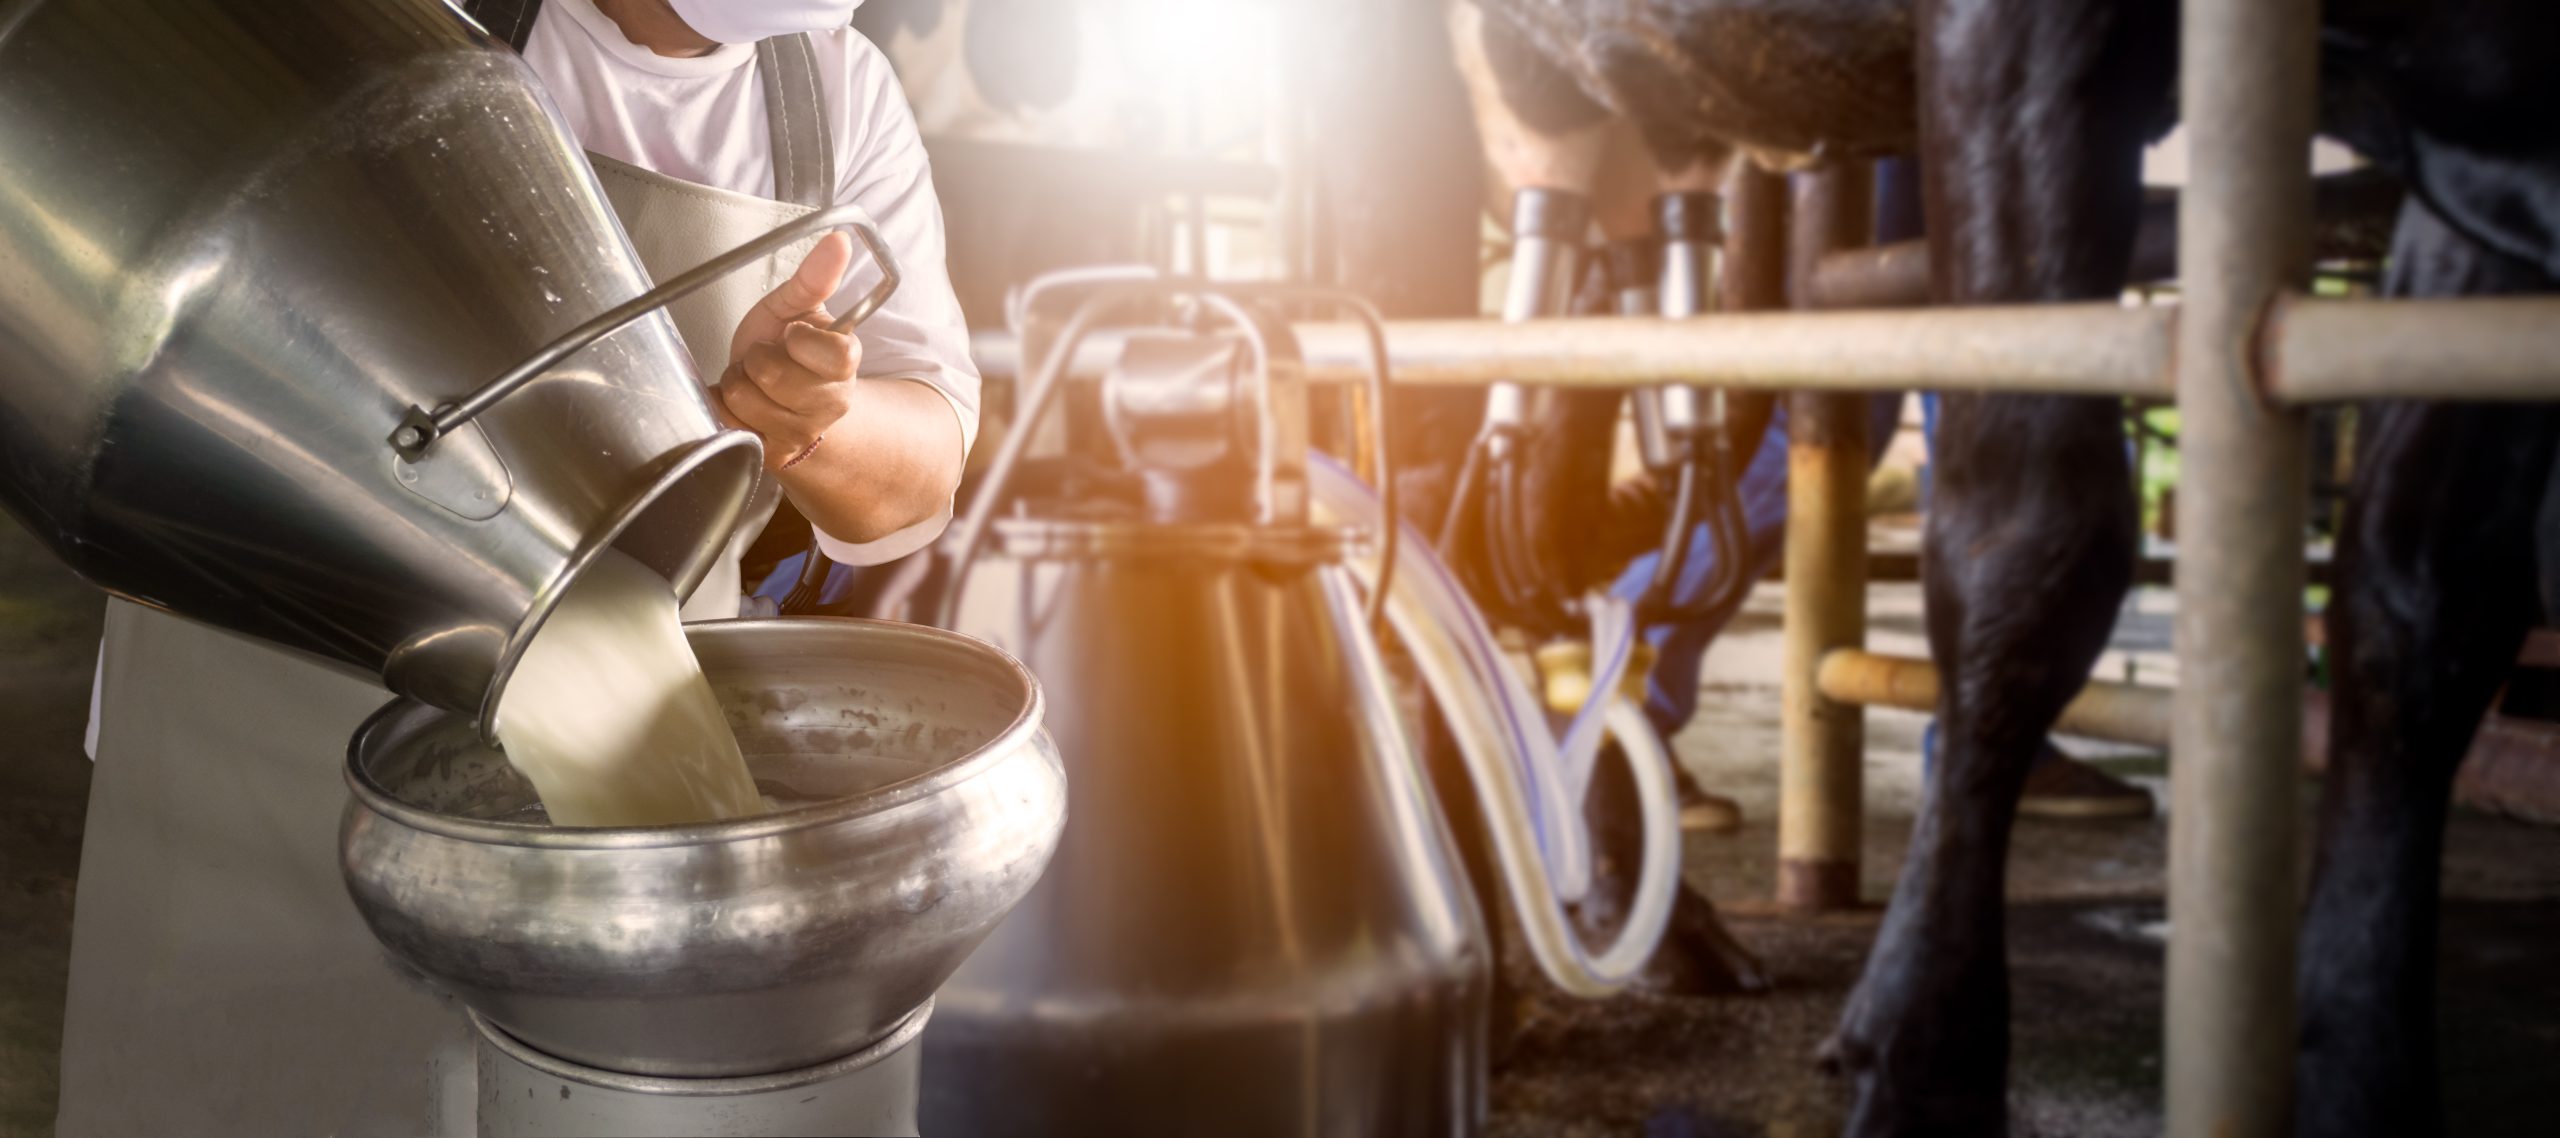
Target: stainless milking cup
(259, 263)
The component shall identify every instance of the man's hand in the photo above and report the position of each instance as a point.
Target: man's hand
(789, 379)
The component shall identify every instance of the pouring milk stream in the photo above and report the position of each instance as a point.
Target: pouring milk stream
(608, 714)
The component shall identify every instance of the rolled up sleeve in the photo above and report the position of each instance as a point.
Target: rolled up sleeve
(920, 336)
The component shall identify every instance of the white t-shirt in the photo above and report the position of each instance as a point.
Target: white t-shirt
(702, 119)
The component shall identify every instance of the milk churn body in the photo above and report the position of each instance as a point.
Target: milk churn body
(237, 240)
(1255, 923)
(1254, 917)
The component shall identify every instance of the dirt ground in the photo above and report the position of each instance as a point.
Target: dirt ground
(2084, 927)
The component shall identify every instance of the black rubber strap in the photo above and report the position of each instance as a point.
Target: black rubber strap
(1692, 216)
(804, 152)
(1557, 215)
(509, 20)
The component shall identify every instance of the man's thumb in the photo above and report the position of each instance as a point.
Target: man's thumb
(818, 277)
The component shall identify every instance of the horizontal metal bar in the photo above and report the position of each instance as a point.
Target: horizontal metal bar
(2353, 213)
(2126, 713)
(2076, 349)
(2320, 351)
(2085, 349)
(2478, 348)
(999, 355)
(1884, 276)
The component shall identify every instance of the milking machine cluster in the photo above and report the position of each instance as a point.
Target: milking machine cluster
(1684, 434)
(1693, 446)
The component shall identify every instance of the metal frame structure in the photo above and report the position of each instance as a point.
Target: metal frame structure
(2242, 353)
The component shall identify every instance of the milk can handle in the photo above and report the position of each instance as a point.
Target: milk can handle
(420, 428)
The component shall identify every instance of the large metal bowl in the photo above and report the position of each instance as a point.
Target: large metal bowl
(736, 948)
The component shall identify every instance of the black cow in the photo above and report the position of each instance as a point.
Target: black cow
(2030, 117)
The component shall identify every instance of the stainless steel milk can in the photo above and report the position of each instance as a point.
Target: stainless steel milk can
(239, 241)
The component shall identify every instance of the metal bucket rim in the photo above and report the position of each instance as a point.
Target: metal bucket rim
(1016, 736)
(691, 462)
(722, 1086)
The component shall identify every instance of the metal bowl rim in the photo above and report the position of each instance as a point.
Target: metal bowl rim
(1019, 734)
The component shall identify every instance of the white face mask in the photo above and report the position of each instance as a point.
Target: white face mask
(746, 21)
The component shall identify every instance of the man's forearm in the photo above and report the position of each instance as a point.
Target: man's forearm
(891, 462)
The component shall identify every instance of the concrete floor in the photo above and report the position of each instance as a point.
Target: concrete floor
(2083, 933)
(48, 642)
(2085, 922)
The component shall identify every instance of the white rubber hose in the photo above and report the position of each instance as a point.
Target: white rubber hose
(1532, 800)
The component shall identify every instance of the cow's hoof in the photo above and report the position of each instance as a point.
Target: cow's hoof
(1832, 1058)
(1849, 1052)
(1699, 955)
(1896, 1099)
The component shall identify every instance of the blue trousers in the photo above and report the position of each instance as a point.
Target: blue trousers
(786, 574)
(1680, 649)
(1671, 692)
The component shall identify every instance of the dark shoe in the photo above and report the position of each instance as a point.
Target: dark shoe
(2064, 787)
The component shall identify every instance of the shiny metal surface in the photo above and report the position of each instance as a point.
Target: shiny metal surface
(1217, 427)
(2249, 76)
(237, 237)
(524, 1093)
(1255, 923)
(746, 947)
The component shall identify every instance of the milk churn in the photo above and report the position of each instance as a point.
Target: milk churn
(1254, 923)
(315, 326)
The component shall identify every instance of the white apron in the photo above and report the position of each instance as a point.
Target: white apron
(221, 981)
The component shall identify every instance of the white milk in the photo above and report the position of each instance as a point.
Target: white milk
(608, 714)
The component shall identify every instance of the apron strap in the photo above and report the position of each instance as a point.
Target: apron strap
(804, 174)
(804, 171)
(804, 151)
(509, 20)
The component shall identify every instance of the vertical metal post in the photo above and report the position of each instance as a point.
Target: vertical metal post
(2247, 91)
(1822, 742)
(1755, 241)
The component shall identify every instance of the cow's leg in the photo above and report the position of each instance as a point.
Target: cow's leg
(2034, 113)
(2435, 591)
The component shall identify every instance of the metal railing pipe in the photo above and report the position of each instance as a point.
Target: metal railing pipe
(2483, 348)
(1886, 276)
(2248, 70)
(2353, 214)
(2315, 351)
(2071, 349)
(2124, 713)
(1821, 741)
(2064, 349)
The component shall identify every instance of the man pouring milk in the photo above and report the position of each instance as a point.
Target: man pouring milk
(221, 981)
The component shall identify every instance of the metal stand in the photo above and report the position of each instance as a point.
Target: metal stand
(1822, 742)
(2248, 93)
(527, 1094)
